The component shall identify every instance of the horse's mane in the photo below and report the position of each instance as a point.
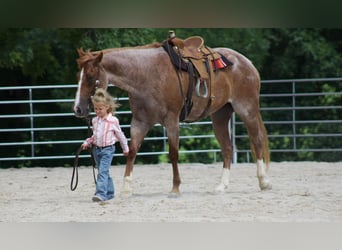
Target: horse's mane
(89, 55)
(86, 56)
(150, 45)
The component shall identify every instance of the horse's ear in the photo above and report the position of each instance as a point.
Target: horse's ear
(80, 52)
(99, 57)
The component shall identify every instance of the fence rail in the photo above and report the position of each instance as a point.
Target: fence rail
(282, 96)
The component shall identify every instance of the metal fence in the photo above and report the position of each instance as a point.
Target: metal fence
(283, 97)
(294, 118)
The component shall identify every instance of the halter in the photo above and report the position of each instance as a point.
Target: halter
(97, 85)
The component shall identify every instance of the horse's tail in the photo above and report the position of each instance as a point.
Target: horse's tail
(265, 147)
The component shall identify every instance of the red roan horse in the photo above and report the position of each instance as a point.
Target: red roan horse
(154, 91)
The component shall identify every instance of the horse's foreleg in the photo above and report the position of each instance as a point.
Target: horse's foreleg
(138, 132)
(220, 121)
(173, 139)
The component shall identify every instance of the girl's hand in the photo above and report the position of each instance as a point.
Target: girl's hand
(126, 153)
(84, 146)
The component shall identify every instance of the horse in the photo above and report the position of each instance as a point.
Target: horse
(156, 95)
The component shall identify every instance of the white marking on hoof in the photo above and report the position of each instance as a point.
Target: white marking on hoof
(127, 190)
(264, 182)
(220, 188)
(224, 181)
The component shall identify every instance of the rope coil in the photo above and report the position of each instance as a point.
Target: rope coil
(74, 177)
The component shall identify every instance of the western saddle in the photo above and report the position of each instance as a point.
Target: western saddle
(200, 61)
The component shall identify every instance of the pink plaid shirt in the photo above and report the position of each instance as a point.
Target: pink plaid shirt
(107, 132)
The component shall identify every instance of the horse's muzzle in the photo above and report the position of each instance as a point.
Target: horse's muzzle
(79, 112)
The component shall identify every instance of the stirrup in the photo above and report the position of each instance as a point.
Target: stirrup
(197, 89)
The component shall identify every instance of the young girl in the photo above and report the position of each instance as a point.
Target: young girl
(106, 132)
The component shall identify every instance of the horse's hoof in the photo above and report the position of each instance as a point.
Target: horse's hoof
(220, 188)
(126, 194)
(266, 185)
(173, 195)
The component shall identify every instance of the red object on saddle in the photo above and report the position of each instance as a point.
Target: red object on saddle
(218, 63)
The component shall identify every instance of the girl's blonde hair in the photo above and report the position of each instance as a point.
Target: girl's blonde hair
(102, 96)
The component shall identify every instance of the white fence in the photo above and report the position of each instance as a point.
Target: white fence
(284, 97)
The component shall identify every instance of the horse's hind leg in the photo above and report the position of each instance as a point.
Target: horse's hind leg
(259, 146)
(220, 121)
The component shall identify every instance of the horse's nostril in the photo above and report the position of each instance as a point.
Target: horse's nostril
(77, 110)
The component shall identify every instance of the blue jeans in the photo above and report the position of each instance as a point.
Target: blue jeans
(105, 185)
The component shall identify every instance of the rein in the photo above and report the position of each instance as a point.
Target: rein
(74, 176)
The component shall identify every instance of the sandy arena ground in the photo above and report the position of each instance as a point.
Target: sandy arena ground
(302, 192)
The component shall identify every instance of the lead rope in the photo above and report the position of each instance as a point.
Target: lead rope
(74, 176)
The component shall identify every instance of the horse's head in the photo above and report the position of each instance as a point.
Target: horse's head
(92, 75)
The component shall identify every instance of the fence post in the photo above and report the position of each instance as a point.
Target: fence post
(164, 140)
(294, 115)
(31, 122)
(231, 131)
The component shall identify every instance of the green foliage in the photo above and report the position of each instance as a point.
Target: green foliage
(303, 53)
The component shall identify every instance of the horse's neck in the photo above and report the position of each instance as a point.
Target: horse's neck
(123, 67)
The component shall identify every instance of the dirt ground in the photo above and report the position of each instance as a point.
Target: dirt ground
(302, 192)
